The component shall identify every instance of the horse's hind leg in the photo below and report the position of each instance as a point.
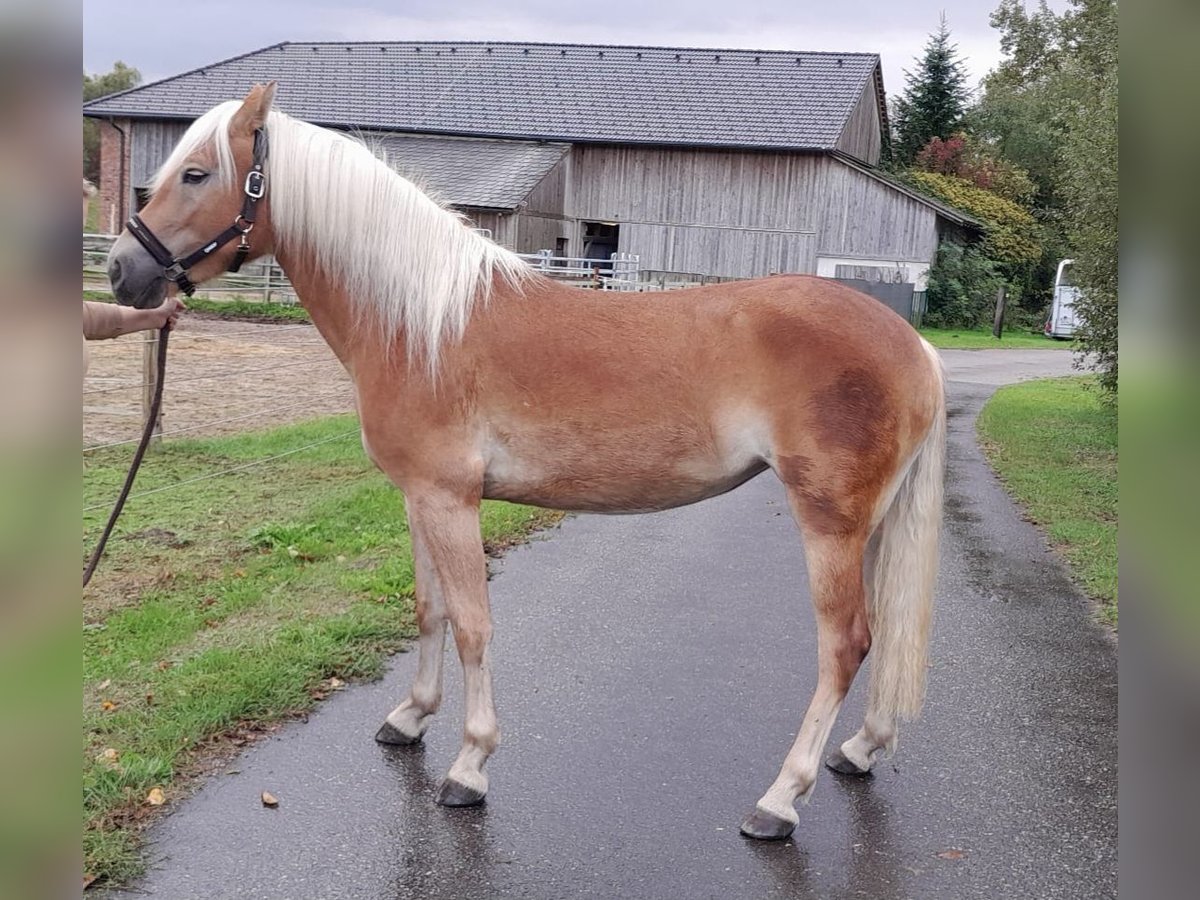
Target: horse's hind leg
(407, 722)
(878, 731)
(835, 563)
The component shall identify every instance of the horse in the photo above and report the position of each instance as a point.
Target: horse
(477, 378)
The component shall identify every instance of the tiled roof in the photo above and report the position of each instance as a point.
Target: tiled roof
(562, 92)
(469, 171)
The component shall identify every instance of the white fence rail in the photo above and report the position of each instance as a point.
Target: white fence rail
(264, 279)
(618, 272)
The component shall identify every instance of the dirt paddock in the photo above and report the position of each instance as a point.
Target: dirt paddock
(223, 377)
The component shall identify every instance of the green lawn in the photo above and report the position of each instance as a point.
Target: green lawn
(231, 603)
(234, 308)
(964, 339)
(1054, 445)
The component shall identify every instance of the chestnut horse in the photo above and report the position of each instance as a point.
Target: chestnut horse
(478, 378)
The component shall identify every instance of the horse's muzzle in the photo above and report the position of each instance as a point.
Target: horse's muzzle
(137, 280)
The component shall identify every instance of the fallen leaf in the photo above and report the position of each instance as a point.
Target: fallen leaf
(239, 573)
(156, 797)
(336, 684)
(88, 878)
(107, 705)
(293, 552)
(268, 800)
(163, 665)
(150, 699)
(109, 759)
(952, 853)
(104, 684)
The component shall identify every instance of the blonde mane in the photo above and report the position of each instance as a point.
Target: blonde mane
(410, 265)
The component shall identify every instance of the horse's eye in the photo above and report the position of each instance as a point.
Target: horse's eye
(194, 176)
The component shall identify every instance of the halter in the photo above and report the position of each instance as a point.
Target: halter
(176, 268)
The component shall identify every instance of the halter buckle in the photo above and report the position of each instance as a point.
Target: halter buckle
(174, 272)
(256, 184)
(245, 227)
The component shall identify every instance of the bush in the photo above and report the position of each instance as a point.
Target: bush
(1013, 235)
(964, 157)
(962, 288)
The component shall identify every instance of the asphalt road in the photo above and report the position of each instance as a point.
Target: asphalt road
(651, 672)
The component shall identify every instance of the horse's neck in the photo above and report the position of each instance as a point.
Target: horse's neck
(330, 307)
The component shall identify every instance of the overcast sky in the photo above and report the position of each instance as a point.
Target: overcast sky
(164, 37)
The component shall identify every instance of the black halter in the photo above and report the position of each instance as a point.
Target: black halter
(176, 268)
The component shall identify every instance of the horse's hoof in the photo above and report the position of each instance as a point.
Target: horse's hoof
(765, 826)
(453, 793)
(840, 764)
(390, 734)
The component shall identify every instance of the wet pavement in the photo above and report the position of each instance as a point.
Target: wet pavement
(651, 672)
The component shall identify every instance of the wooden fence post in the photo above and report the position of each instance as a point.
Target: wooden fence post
(149, 379)
(998, 322)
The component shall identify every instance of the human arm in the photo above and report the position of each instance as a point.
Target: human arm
(108, 320)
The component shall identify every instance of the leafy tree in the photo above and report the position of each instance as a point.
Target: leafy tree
(934, 98)
(1051, 108)
(120, 78)
(1019, 113)
(1089, 182)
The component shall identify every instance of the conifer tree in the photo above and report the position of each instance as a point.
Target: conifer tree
(934, 98)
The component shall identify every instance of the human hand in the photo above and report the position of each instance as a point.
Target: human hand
(165, 314)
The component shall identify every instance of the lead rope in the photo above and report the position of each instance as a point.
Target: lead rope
(147, 433)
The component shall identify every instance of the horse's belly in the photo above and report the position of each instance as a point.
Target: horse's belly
(624, 483)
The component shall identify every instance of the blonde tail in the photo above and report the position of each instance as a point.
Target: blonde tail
(906, 564)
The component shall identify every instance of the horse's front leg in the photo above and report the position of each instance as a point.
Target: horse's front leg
(406, 724)
(445, 530)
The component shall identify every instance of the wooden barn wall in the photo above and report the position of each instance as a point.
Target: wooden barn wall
(150, 145)
(542, 220)
(744, 214)
(656, 186)
(866, 218)
(549, 197)
(719, 251)
(502, 225)
(540, 233)
(862, 136)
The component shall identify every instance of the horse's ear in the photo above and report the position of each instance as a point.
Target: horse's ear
(255, 107)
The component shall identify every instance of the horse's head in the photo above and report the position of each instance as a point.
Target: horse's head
(202, 196)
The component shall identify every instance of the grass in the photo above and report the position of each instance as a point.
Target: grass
(965, 339)
(234, 308)
(92, 225)
(229, 604)
(1054, 445)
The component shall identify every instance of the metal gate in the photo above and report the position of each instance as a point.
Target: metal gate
(900, 298)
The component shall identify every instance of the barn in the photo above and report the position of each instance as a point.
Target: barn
(706, 162)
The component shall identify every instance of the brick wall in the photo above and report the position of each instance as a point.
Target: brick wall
(114, 207)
